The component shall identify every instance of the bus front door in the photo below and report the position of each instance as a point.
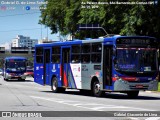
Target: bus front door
(65, 66)
(107, 66)
(46, 69)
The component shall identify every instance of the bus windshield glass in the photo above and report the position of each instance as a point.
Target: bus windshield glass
(136, 59)
(16, 66)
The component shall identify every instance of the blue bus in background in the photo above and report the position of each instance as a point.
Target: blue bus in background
(116, 63)
(14, 68)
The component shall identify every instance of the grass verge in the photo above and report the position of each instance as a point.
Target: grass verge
(159, 86)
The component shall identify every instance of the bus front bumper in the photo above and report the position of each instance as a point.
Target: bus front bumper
(15, 77)
(121, 85)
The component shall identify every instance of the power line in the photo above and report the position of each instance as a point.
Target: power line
(19, 14)
(20, 30)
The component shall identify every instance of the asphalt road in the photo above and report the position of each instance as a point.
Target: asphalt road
(29, 96)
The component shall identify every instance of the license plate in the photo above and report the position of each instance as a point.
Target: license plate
(139, 86)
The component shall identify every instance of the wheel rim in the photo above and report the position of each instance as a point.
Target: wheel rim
(96, 88)
(54, 85)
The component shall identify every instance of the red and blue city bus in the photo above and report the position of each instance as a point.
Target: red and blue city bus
(124, 64)
(14, 68)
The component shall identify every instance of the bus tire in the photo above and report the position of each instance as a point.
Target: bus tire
(133, 94)
(54, 85)
(96, 89)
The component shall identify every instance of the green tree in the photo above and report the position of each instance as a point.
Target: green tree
(124, 19)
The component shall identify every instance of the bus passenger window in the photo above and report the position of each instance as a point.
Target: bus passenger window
(86, 48)
(39, 59)
(56, 58)
(96, 52)
(75, 58)
(76, 54)
(56, 54)
(47, 57)
(96, 47)
(86, 58)
(76, 49)
(39, 55)
(96, 58)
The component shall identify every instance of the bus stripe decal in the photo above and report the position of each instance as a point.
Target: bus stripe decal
(72, 77)
(65, 79)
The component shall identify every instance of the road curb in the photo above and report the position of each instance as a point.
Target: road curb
(152, 91)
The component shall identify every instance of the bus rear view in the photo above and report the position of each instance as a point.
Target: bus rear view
(14, 68)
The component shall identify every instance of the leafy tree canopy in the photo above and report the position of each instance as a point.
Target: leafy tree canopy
(124, 19)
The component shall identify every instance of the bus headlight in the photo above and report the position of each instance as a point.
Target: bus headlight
(9, 74)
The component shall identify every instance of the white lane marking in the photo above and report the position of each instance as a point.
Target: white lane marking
(99, 108)
(153, 118)
(40, 88)
(90, 104)
(84, 105)
(71, 101)
(55, 100)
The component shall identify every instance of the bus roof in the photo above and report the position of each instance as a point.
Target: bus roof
(111, 39)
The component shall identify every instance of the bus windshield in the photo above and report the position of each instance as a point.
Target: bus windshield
(136, 59)
(16, 66)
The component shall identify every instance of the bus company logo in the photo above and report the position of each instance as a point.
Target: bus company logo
(54, 68)
(6, 114)
(74, 69)
(77, 69)
(37, 68)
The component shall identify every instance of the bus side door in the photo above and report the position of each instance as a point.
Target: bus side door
(38, 65)
(107, 65)
(46, 69)
(65, 66)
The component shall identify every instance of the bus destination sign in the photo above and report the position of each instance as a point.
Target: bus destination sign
(135, 41)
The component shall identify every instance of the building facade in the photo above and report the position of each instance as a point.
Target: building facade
(45, 40)
(23, 41)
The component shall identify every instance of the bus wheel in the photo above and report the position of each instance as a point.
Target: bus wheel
(54, 85)
(96, 89)
(132, 94)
